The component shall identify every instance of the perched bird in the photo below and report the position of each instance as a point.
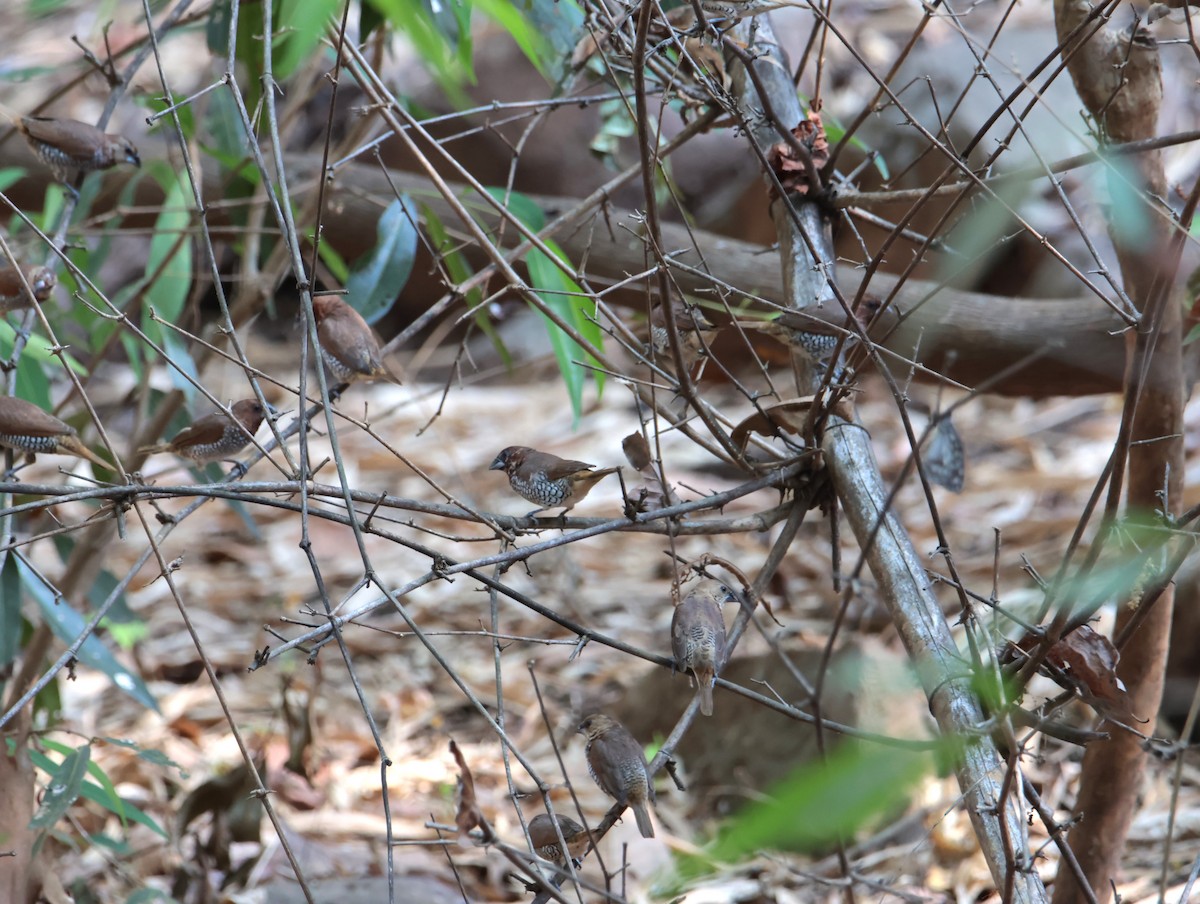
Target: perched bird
(349, 346)
(29, 429)
(698, 637)
(215, 436)
(695, 332)
(741, 9)
(547, 480)
(545, 839)
(66, 145)
(816, 338)
(13, 294)
(619, 767)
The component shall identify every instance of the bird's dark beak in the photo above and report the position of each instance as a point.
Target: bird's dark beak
(497, 464)
(132, 157)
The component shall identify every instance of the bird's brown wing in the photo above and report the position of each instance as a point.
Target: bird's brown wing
(356, 343)
(77, 139)
(556, 468)
(21, 418)
(203, 431)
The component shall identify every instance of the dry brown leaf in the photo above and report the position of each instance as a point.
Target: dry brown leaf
(788, 416)
(1087, 661)
(468, 815)
(637, 451)
(790, 167)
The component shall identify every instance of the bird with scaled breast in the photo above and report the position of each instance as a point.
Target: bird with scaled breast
(545, 839)
(13, 294)
(695, 332)
(619, 767)
(547, 480)
(67, 145)
(698, 637)
(27, 428)
(349, 346)
(215, 436)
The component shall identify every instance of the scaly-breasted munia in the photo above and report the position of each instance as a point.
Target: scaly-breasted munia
(547, 480)
(215, 436)
(545, 839)
(349, 346)
(66, 145)
(698, 637)
(29, 429)
(695, 332)
(13, 295)
(619, 767)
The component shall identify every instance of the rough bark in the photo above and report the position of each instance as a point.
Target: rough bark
(806, 251)
(969, 337)
(1118, 77)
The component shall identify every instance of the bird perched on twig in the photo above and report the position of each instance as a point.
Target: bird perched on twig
(619, 767)
(13, 294)
(67, 145)
(547, 480)
(215, 436)
(698, 637)
(545, 839)
(349, 346)
(27, 428)
(741, 9)
(695, 332)
(816, 338)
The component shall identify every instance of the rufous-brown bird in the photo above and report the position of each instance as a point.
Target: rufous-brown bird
(698, 637)
(545, 839)
(29, 429)
(349, 346)
(215, 436)
(619, 767)
(13, 294)
(695, 332)
(67, 145)
(547, 480)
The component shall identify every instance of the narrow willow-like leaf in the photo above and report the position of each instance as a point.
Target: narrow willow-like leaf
(63, 788)
(377, 277)
(67, 625)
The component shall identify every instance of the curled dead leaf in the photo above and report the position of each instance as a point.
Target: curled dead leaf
(787, 416)
(1086, 661)
(467, 815)
(637, 451)
(797, 171)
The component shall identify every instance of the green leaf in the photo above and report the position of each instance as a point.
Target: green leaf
(181, 360)
(169, 263)
(150, 896)
(335, 262)
(565, 297)
(10, 175)
(149, 754)
(300, 25)
(369, 19)
(63, 788)
(10, 611)
(113, 801)
(378, 276)
(823, 802)
(520, 26)
(441, 39)
(460, 271)
(520, 206)
(67, 625)
(127, 813)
